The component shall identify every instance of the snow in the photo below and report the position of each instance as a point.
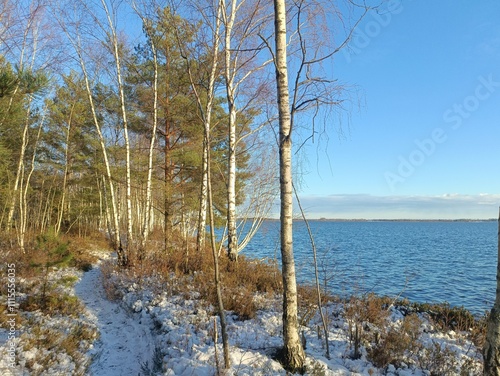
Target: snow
(151, 331)
(125, 341)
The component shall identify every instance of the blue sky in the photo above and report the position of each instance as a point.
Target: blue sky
(425, 141)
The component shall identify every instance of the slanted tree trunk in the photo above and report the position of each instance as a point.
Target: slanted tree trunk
(146, 226)
(66, 172)
(19, 171)
(293, 353)
(491, 351)
(128, 184)
(115, 218)
(122, 256)
(206, 108)
(220, 304)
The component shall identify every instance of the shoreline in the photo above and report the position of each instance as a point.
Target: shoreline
(381, 220)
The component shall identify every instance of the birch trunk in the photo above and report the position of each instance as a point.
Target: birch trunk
(66, 171)
(147, 219)
(206, 114)
(128, 194)
(220, 304)
(23, 199)
(232, 238)
(122, 256)
(293, 353)
(202, 213)
(20, 167)
(491, 351)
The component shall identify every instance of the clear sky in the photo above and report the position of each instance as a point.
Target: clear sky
(425, 141)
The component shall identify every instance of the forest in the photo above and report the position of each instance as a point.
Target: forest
(145, 126)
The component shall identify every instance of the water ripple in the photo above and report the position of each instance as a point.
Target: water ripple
(429, 261)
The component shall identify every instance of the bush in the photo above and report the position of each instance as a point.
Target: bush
(366, 312)
(194, 271)
(52, 303)
(439, 360)
(446, 316)
(52, 251)
(396, 343)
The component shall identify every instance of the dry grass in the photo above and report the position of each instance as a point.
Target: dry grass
(183, 272)
(42, 298)
(396, 344)
(47, 344)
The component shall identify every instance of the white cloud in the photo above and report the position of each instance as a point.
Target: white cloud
(447, 206)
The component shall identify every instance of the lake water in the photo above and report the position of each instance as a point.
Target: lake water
(452, 262)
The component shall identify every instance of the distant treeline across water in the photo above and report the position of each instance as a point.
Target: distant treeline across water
(424, 261)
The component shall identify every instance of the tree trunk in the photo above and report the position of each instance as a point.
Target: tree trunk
(168, 182)
(20, 168)
(122, 256)
(293, 353)
(232, 242)
(66, 172)
(128, 184)
(232, 238)
(202, 214)
(147, 215)
(491, 351)
(220, 304)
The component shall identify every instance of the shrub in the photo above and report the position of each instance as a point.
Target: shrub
(446, 316)
(194, 271)
(53, 250)
(52, 303)
(439, 360)
(396, 343)
(368, 311)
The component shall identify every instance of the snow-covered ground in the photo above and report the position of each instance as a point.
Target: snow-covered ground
(125, 341)
(152, 331)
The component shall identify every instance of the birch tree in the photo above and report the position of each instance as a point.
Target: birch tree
(147, 27)
(111, 32)
(28, 82)
(293, 353)
(314, 96)
(242, 21)
(72, 26)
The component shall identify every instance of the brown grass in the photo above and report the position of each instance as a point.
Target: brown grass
(184, 272)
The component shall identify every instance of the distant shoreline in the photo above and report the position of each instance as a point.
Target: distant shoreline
(386, 220)
(403, 220)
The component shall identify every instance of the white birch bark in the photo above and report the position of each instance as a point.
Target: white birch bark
(24, 140)
(23, 199)
(147, 219)
(128, 184)
(232, 241)
(146, 226)
(202, 213)
(65, 177)
(122, 256)
(75, 41)
(293, 353)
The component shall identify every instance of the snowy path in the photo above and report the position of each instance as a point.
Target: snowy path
(125, 341)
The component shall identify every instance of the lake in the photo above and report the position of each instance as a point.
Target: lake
(433, 262)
